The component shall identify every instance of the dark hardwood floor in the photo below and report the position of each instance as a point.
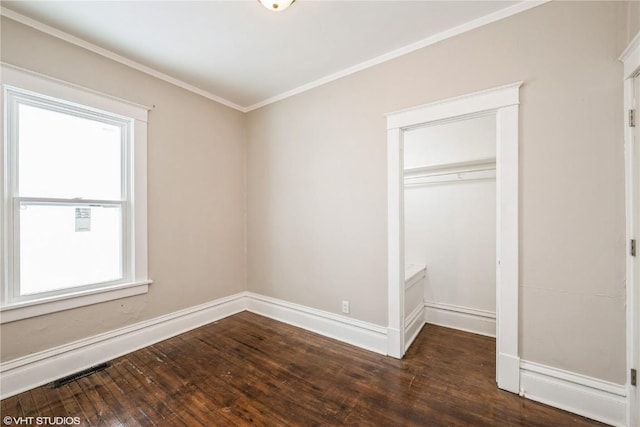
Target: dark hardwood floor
(247, 369)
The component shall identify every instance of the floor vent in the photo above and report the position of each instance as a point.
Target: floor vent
(73, 377)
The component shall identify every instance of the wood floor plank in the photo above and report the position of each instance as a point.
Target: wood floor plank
(158, 398)
(41, 402)
(249, 370)
(150, 402)
(196, 406)
(90, 408)
(71, 406)
(204, 382)
(13, 407)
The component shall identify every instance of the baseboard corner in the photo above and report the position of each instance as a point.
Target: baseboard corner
(34, 370)
(351, 331)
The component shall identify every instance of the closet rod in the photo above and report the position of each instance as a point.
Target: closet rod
(448, 181)
(468, 164)
(449, 173)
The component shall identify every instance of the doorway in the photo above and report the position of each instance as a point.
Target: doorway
(450, 225)
(502, 103)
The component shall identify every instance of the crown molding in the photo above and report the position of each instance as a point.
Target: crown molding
(18, 17)
(460, 29)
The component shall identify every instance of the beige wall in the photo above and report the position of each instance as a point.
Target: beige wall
(317, 179)
(196, 205)
(633, 20)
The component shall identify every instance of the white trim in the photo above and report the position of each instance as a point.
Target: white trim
(355, 332)
(114, 56)
(33, 308)
(415, 275)
(631, 203)
(485, 314)
(19, 81)
(31, 371)
(413, 325)
(464, 105)
(138, 221)
(503, 102)
(507, 249)
(630, 57)
(460, 29)
(462, 318)
(63, 90)
(631, 65)
(395, 241)
(590, 397)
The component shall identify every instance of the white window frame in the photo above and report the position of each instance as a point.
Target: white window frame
(19, 85)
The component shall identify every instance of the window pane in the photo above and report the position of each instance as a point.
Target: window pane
(68, 246)
(64, 156)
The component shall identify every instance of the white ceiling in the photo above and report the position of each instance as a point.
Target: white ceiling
(241, 54)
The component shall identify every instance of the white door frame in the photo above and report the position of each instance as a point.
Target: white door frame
(631, 60)
(504, 102)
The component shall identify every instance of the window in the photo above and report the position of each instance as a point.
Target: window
(74, 206)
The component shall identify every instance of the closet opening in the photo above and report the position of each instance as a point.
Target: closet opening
(450, 225)
(440, 245)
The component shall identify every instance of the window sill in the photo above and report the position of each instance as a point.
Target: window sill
(19, 311)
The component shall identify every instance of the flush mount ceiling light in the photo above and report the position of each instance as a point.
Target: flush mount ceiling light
(276, 5)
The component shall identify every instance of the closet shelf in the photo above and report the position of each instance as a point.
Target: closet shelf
(467, 166)
(474, 170)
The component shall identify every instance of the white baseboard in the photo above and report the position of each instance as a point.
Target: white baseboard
(462, 318)
(361, 334)
(34, 370)
(394, 349)
(413, 325)
(590, 397)
(596, 399)
(508, 372)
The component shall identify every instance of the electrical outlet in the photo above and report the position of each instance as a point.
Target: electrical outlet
(345, 307)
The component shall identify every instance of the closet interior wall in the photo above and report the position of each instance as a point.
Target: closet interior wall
(450, 220)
